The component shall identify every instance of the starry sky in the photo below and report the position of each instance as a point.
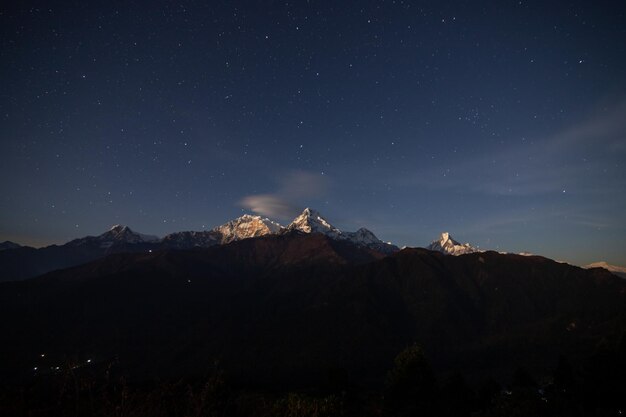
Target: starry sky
(503, 123)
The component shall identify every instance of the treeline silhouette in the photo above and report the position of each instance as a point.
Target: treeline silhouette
(595, 386)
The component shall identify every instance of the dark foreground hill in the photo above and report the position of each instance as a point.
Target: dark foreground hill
(287, 310)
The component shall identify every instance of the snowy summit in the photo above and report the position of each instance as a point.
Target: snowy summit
(446, 244)
(620, 271)
(247, 226)
(311, 221)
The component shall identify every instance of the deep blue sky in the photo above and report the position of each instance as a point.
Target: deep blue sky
(503, 122)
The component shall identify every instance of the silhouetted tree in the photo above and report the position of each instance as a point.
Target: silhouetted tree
(487, 393)
(411, 385)
(563, 375)
(457, 398)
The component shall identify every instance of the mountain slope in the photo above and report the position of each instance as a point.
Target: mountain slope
(447, 245)
(620, 271)
(27, 262)
(243, 227)
(6, 245)
(311, 221)
(279, 309)
(22, 263)
(247, 226)
(117, 235)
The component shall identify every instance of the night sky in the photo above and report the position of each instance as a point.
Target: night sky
(503, 122)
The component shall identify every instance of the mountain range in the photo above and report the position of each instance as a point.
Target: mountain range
(284, 309)
(21, 262)
(25, 262)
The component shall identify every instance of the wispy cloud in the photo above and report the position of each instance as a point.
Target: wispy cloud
(270, 205)
(294, 188)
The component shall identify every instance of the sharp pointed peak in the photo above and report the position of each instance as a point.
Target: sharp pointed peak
(310, 220)
(117, 227)
(244, 217)
(310, 212)
(123, 232)
(447, 237)
(446, 244)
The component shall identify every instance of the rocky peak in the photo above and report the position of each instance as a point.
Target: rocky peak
(247, 226)
(446, 244)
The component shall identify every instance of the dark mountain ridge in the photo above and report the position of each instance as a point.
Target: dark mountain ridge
(284, 309)
(7, 244)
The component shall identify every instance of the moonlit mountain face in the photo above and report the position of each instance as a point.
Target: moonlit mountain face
(118, 234)
(243, 227)
(445, 244)
(246, 227)
(311, 221)
(27, 263)
(620, 271)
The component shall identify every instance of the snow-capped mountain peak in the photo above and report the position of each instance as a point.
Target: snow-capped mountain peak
(446, 244)
(364, 236)
(121, 233)
(620, 271)
(243, 227)
(117, 234)
(247, 226)
(311, 221)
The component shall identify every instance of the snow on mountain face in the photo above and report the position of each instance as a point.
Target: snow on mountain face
(605, 265)
(620, 271)
(245, 227)
(362, 236)
(116, 235)
(189, 240)
(449, 246)
(125, 234)
(311, 221)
